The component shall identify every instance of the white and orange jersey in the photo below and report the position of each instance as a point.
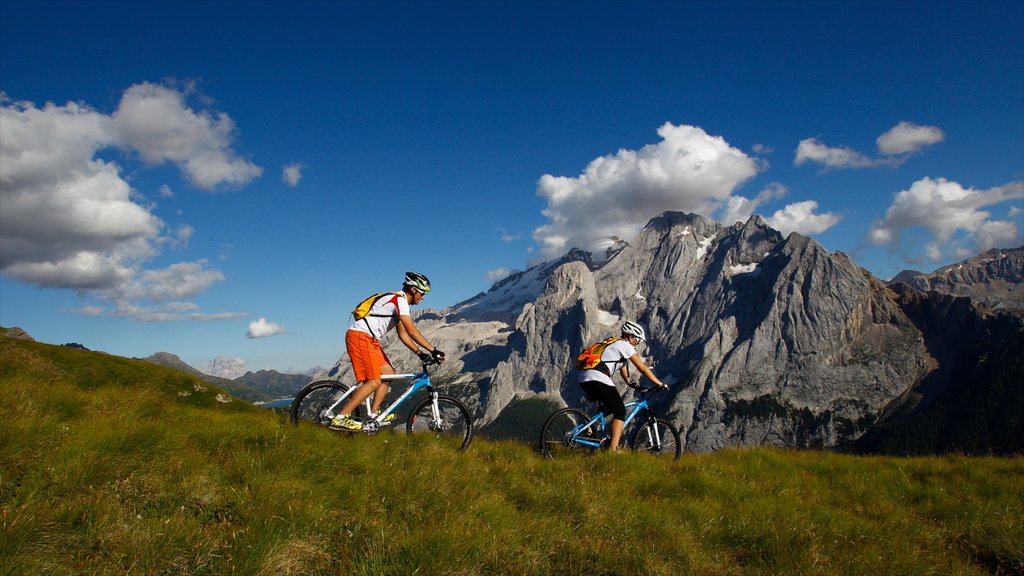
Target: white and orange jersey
(615, 356)
(383, 315)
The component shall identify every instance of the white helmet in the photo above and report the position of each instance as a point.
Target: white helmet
(633, 329)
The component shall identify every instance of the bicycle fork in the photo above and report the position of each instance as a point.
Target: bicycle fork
(653, 434)
(435, 411)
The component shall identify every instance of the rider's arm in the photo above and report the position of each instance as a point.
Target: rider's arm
(410, 335)
(635, 359)
(624, 372)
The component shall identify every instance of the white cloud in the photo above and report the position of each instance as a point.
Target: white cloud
(262, 328)
(154, 121)
(811, 150)
(907, 137)
(945, 208)
(292, 173)
(801, 217)
(739, 209)
(894, 147)
(71, 219)
(498, 274)
(616, 195)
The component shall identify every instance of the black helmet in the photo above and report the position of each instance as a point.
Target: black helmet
(417, 281)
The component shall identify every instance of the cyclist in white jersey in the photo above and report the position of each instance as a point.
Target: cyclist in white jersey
(597, 382)
(369, 362)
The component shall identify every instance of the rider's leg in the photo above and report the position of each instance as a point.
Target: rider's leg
(617, 426)
(367, 358)
(381, 392)
(362, 393)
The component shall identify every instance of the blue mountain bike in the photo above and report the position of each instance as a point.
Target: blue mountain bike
(437, 414)
(571, 431)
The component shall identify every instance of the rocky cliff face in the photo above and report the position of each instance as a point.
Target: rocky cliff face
(765, 340)
(768, 340)
(995, 278)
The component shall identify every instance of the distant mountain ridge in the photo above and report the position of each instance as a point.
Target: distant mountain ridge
(261, 386)
(995, 277)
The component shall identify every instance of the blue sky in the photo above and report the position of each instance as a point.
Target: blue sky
(228, 179)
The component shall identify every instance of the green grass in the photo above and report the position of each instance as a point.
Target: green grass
(115, 466)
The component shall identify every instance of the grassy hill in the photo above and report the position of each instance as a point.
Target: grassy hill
(116, 466)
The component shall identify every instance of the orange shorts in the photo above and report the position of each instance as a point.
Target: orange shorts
(366, 354)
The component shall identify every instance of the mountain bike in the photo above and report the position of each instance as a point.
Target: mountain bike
(570, 430)
(437, 414)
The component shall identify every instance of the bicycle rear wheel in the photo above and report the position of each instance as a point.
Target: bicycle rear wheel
(314, 402)
(556, 439)
(665, 442)
(453, 421)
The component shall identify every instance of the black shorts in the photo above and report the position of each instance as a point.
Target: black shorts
(607, 397)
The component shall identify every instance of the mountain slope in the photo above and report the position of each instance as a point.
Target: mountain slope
(110, 465)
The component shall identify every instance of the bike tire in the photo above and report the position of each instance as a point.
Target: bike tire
(309, 404)
(555, 441)
(671, 444)
(456, 423)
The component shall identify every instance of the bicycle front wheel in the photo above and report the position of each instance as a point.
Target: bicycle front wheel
(658, 437)
(557, 438)
(452, 420)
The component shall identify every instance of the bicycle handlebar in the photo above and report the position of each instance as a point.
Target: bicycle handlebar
(643, 390)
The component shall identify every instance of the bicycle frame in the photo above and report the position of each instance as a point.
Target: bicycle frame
(577, 435)
(422, 380)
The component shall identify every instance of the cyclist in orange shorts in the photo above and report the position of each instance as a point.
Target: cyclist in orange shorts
(369, 361)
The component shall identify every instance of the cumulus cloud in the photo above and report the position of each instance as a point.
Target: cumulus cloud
(812, 150)
(262, 328)
(739, 209)
(801, 217)
(292, 173)
(894, 147)
(947, 210)
(689, 170)
(70, 218)
(155, 121)
(907, 137)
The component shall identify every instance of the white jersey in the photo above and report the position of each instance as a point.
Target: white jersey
(383, 315)
(615, 356)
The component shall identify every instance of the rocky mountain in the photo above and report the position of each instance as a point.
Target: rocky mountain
(765, 340)
(995, 278)
(971, 315)
(236, 388)
(972, 399)
(274, 383)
